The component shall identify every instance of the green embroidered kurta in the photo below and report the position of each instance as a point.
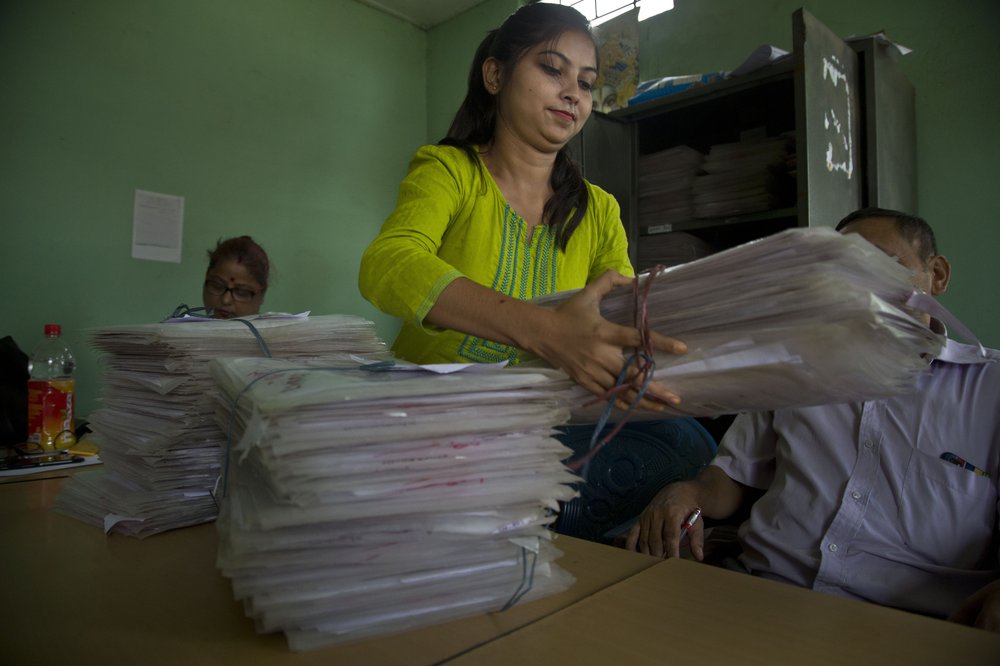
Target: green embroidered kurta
(451, 220)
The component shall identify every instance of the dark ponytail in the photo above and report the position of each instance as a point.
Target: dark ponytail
(475, 122)
(476, 119)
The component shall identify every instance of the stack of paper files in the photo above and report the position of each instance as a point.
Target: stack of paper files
(161, 446)
(359, 503)
(803, 317)
(744, 177)
(665, 179)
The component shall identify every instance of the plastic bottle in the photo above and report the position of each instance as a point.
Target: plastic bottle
(50, 393)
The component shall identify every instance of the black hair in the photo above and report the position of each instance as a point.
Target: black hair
(243, 250)
(912, 228)
(475, 122)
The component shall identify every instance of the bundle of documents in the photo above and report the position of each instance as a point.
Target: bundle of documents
(803, 317)
(744, 177)
(665, 188)
(359, 503)
(161, 446)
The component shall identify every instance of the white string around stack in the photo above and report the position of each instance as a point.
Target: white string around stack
(158, 438)
(359, 503)
(803, 317)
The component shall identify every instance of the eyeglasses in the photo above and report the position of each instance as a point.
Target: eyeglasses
(217, 288)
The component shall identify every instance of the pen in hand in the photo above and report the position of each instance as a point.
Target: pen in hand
(689, 522)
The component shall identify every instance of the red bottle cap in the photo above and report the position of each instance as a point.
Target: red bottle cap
(52, 329)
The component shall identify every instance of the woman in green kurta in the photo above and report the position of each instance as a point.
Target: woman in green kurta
(455, 212)
(498, 214)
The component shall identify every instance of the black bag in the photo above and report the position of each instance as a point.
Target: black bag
(13, 393)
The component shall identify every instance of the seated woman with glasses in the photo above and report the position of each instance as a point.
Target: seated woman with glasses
(236, 279)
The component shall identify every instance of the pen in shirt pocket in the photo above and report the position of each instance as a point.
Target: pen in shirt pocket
(962, 462)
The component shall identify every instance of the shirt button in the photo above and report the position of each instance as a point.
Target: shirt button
(855, 494)
(869, 444)
(832, 548)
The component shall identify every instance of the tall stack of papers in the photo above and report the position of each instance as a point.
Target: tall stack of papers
(744, 177)
(665, 188)
(803, 317)
(360, 503)
(161, 446)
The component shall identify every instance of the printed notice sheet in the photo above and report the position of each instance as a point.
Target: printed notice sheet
(157, 226)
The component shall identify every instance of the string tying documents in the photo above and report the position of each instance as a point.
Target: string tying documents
(527, 578)
(183, 310)
(644, 366)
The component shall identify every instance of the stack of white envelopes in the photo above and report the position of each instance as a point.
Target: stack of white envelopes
(359, 503)
(160, 443)
(803, 317)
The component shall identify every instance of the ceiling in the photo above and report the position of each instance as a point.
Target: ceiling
(423, 13)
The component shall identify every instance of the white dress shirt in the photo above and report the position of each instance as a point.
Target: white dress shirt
(859, 501)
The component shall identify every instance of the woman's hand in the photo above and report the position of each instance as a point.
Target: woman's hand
(592, 350)
(573, 337)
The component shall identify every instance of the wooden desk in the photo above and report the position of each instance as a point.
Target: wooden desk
(72, 595)
(684, 612)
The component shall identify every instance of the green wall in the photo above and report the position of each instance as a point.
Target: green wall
(953, 69)
(289, 120)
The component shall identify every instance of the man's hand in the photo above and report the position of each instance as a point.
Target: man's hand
(658, 530)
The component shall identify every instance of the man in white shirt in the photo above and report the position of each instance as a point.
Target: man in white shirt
(892, 501)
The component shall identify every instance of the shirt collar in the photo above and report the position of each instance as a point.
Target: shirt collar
(956, 352)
